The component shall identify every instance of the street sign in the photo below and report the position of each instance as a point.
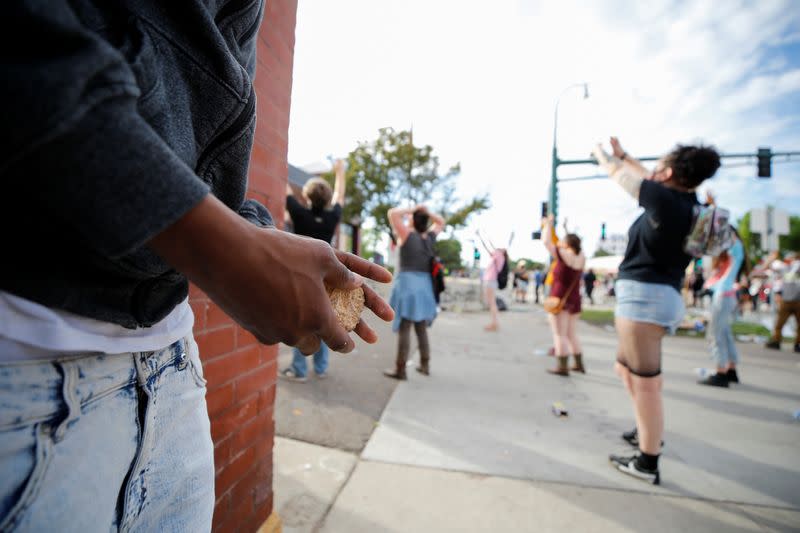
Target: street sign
(770, 223)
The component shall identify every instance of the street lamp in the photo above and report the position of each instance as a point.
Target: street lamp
(554, 176)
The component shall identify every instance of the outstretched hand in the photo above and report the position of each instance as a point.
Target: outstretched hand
(609, 163)
(616, 148)
(271, 282)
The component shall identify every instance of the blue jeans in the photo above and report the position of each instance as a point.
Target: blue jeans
(723, 346)
(300, 366)
(106, 443)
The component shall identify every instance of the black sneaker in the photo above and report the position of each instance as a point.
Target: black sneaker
(715, 380)
(733, 377)
(632, 438)
(773, 345)
(630, 465)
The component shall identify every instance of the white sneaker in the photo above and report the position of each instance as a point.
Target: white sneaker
(289, 374)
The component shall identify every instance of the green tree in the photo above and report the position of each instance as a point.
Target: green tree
(601, 253)
(449, 251)
(750, 240)
(791, 242)
(530, 264)
(391, 171)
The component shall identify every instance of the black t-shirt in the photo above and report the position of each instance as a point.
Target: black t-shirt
(312, 223)
(655, 241)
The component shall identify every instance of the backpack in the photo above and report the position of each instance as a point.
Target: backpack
(437, 276)
(502, 276)
(710, 233)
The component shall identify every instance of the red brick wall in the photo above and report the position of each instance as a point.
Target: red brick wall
(241, 373)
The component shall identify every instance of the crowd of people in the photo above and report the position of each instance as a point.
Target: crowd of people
(141, 208)
(647, 286)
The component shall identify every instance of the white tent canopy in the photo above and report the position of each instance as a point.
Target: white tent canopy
(604, 265)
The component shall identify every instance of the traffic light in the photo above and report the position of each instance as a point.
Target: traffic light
(476, 254)
(764, 162)
(603, 231)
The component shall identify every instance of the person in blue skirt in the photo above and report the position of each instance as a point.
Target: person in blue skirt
(412, 294)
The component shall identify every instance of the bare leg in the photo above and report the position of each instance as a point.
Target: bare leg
(649, 413)
(641, 349)
(572, 333)
(559, 325)
(493, 325)
(558, 329)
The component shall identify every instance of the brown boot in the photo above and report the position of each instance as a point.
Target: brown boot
(398, 372)
(578, 366)
(561, 368)
(424, 370)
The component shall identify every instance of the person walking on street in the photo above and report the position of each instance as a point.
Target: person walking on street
(589, 280)
(538, 280)
(788, 304)
(564, 316)
(727, 268)
(521, 278)
(127, 132)
(412, 296)
(649, 302)
(314, 218)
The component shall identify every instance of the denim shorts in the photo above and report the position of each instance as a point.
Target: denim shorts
(491, 284)
(654, 303)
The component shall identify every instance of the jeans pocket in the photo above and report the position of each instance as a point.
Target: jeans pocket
(26, 453)
(195, 365)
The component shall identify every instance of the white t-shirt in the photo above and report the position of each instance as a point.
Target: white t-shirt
(29, 330)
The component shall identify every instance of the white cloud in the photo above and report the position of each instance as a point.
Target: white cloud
(479, 81)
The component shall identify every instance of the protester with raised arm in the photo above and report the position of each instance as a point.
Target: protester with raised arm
(648, 288)
(412, 296)
(317, 219)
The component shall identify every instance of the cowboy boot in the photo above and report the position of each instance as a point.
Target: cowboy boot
(399, 370)
(561, 369)
(578, 366)
(423, 367)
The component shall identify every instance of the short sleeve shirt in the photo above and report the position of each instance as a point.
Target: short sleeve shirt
(318, 224)
(655, 240)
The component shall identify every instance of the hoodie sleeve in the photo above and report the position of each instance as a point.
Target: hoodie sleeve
(73, 142)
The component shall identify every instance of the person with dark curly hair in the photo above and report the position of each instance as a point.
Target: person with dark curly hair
(649, 302)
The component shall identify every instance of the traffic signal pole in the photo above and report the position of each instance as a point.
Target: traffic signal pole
(764, 158)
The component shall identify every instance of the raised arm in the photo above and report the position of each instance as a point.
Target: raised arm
(633, 164)
(548, 232)
(630, 180)
(490, 247)
(438, 223)
(340, 183)
(396, 215)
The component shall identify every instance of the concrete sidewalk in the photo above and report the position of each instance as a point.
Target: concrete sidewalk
(475, 447)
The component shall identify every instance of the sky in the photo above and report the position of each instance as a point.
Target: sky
(479, 82)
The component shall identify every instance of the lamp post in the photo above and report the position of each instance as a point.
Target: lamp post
(554, 176)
